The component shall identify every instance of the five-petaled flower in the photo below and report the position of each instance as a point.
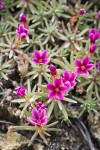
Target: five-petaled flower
(56, 89)
(69, 79)
(94, 35)
(38, 118)
(82, 11)
(40, 58)
(40, 106)
(20, 91)
(83, 66)
(22, 31)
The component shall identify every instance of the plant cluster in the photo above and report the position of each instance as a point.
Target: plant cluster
(64, 67)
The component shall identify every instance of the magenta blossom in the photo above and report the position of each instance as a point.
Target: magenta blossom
(94, 34)
(56, 89)
(23, 17)
(99, 14)
(40, 58)
(22, 31)
(52, 70)
(93, 47)
(98, 67)
(38, 118)
(83, 66)
(40, 106)
(20, 91)
(82, 11)
(69, 79)
(1, 4)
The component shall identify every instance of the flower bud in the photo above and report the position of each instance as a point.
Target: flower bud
(23, 17)
(82, 11)
(20, 91)
(94, 35)
(52, 70)
(93, 47)
(40, 106)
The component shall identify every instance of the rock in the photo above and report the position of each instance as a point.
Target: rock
(95, 128)
(38, 147)
(12, 141)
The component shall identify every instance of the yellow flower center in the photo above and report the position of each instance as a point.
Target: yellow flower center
(40, 60)
(82, 67)
(39, 121)
(57, 90)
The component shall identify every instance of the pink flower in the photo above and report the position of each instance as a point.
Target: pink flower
(38, 118)
(93, 47)
(23, 17)
(98, 67)
(52, 70)
(40, 58)
(94, 34)
(20, 91)
(56, 89)
(40, 106)
(83, 65)
(69, 79)
(22, 31)
(1, 4)
(82, 11)
(99, 14)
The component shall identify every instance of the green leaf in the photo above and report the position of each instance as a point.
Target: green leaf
(60, 63)
(31, 128)
(53, 129)
(29, 86)
(18, 101)
(41, 94)
(52, 124)
(50, 109)
(43, 88)
(33, 138)
(69, 100)
(27, 113)
(64, 110)
(90, 87)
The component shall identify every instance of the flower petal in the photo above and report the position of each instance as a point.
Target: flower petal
(78, 63)
(50, 87)
(66, 74)
(35, 60)
(44, 121)
(85, 60)
(44, 54)
(72, 77)
(63, 88)
(57, 82)
(30, 119)
(42, 114)
(52, 94)
(35, 113)
(78, 70)
(60, 96)
(85, 72)
(36, 54)
(46, 61)
(89, 66)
